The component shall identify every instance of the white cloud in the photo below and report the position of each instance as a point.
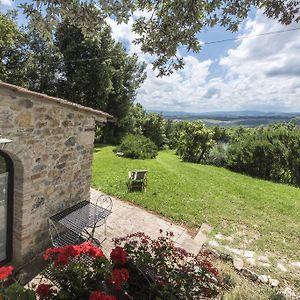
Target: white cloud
(261, 73)
(180, 91)
(6, 2)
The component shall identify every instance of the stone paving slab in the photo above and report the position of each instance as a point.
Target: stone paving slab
(127, 218)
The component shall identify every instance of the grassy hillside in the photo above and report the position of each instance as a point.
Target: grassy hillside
(262, 214)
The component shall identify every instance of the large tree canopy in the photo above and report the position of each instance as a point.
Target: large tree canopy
(92, 70)
(13, 53)
(163, 25)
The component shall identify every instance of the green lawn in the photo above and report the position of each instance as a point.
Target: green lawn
(262, 214)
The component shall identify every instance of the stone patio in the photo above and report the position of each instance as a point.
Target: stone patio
(127, 218)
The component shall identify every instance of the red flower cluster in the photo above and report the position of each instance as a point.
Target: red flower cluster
(118, 255)
(119, 277)
(5, 272)
(43, 290)
(101, 296)
(62, 255)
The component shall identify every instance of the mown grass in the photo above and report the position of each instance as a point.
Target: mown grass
(264, 214)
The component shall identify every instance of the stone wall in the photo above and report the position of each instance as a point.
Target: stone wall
(52, 154)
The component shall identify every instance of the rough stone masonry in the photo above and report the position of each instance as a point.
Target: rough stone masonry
(51, 151)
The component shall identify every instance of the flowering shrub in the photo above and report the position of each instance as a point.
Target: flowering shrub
(5, 272)
(159, 270)
(15, 291)
(138, 268)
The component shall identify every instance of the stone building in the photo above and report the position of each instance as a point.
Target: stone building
(46, 147)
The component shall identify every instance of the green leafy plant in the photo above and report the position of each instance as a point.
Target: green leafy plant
(218, 155)
(138, 268)
(15, 290)
(162, 271)
(195, 142)
(137, 146)
(269, 153)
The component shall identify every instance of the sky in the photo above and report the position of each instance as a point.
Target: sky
(258, 73)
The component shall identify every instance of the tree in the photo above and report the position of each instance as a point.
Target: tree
(154, 129)
(178, 128)
(195, 142)
(13, 54)
(169, 131)
(94, 71)
(135, 119)
(42, 67)
(221, 135)
(98, 73)
(165, 24)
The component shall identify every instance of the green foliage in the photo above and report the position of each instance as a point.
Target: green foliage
(17, 292)
(98, 134)
(221, 134)
(43, 63)
(170, 25)
(195, 142)
(107, 80)
(13, 55)
(271, 153)
(218, 155)
(137, 146)
(154, 129)
(175, 132)
(137, 268)
(135, 119)
(92, 70)
(169, 131)
(166, 271)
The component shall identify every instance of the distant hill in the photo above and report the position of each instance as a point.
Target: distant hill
(233, 118)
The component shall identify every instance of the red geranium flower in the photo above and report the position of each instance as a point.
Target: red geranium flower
(61, 260)
(118, 255)
(71, 250)
(61, 256)
(52, 252)
(91, 250)
(101, 296)
(5, 272)
(43, 290)
(119, 277)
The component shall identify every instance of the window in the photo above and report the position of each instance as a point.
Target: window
(6, 201)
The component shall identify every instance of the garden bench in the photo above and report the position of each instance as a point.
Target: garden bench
(137, 180)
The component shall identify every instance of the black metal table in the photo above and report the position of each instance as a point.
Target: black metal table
(81, 217)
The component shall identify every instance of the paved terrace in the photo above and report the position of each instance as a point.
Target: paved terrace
(127, 218)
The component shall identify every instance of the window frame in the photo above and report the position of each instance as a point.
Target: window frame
(9, 211)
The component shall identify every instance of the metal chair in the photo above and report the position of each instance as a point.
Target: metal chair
(61, 236)
(105, 202)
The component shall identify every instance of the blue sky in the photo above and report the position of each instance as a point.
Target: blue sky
(261, 73)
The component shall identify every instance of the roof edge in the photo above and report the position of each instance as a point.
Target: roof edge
(95, 112)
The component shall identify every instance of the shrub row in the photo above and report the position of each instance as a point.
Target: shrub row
(271, 152)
